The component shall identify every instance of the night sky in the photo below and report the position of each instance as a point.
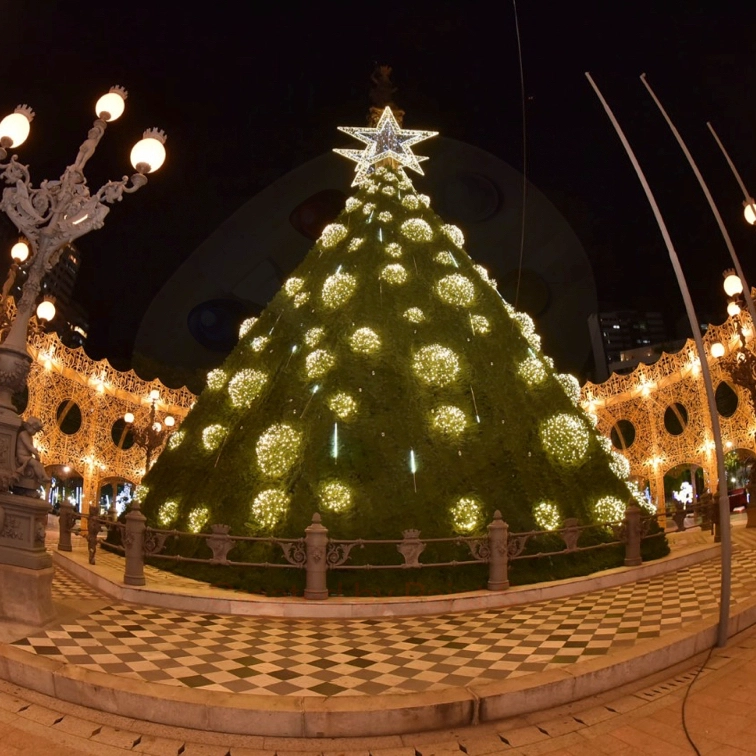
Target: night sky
(246, 96)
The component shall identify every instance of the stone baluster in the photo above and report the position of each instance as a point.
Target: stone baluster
(316, 541)
(633, 536)
(65, 524)
(498, 544)
(133, 544)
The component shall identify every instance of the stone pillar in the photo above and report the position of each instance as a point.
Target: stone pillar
(133, 543)
(498, 543)
(751, 508)
(633, 536)
(65, 525)
(316, 541)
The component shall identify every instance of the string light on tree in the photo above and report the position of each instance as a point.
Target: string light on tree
(338, 290)
(355, 244)
(436, 365)
(365, 341)
(620, 465)
(385, 216)
(246, 386)
(417, 230)
(446, 258)
(314, 336)
(353, 204)
(483, 273)
(480, 325)
(414, 315)
(175, 439)
(532, 371)
(369, 208)
(456, 290)
(259, 343)
(197, 519)
(571, 387)
(277, 449)
(216, 379)
(335, 496)
(547, 516)
(410, 201)
(455, 235)
(449, 420)
(318, 363)
(268, 508)
(565, 438)
(333, 234)
(167, 513)
(293, 285)
(342, 405)
(301, 299)
(424, 200)
(389, 191)
(246, 327)
(466, 514)
(212, 436)
(140, 493)
(527, 326)
(393, 249)
(609, 509)
(394, 274)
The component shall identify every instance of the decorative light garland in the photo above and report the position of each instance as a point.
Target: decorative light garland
(335, 496)
(213, 436)
(532, 371)
(175, 439)
(293, 285)
(455, 235)
(394, 273)
(365, 341)
(457, 290)
(445, 258)
(140, 493)
(527, 326)
(547, 515)
(393, 249)
(216, 379)
(389, 191)
(318, 363)
(466, 514)
(352, 204)
(342, 405)
(369, 208)
(355, 244)
(167, 513)
(197, 519)
(609, 509)
(246, 327)
(619, 465)
(449, 420)
(480, 324)
(259, 343)
(436, 365)
(565, 439)
(338, 289)
(301, 299)
(483, 273)
(268, 507)
(277, 449)
(313, 336)
(385, 216)
(246, 386)
(332, 235)
(414, 315)
(417, 230)
(410, 201)
(571, 387)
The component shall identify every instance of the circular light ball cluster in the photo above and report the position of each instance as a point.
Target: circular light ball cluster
(466, 514)
(246, 386)
(313, 336)
(449, 420)
(417, 230)
(318, 363)
(385, 216)
(259, 343)
(197, 519)
(293, 285)
(301, 299)
(640, 496)
(365, 341)
(332, 235)
(445, 258)
(355, 243)
(338, 289)
(352, 204)
(527, 327)
(436, 365)
(335, 496)
(480, 325)
(389, 191)
(369, 208)
(175, 440)
(167, 513)
(277, 449)
(571, 386)
(424, 200)
(619, 465)
(213, 436)
(268, 507)
(216, 379)
(140, 493)
(456, 290)
(532, 371)
(414, 315)
(246, 327)
(483, 273)
(342, 405)
(393, 250)
(411, 202)
(565, 439)
(609, 509)
(455, 235)
(394, 273)
(547, 515)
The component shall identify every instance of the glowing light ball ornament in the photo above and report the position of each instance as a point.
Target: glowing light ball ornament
(546, 515)
(445, 258)
(176, 438)
(268, 507)
(355, 244)
(411, 202)
(212, 436)
(532, 371)
(565, 439)
(571, 386)
(277, 450)
(342, 405)
(394, 274)
(293, 285)
(353, 204)
(365, 341)
(314, 336)
(449, 420)
(332, 235)
(216, 379)
(335, 496)
(385, 216)
(318, 363)
(414, 315)
(456, 290)
(609, 509)
(466, 514)
(620, 465)
(338, 290)
(480, 325)
(259, 343)
(436, 365)
(416, 230)
(246, 386)
(197, 519)
(393, 250)
(167, 513)
(455, 235)
(246, 327)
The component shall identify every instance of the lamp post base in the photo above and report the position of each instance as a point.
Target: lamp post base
(751, 512)
(26, 594)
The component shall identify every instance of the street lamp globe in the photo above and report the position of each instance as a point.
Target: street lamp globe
(14, 128)
(154, 395)
(20, 251)
(169, 421)
(46, 310)
(717, 350)
(732, 283)
(148, 154)
(128, 418)
(749, 210)
(733, 309)
(111, 105)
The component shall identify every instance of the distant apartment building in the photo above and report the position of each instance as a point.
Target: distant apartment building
(71, 321)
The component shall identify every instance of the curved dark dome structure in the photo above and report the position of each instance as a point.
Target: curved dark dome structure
(236, 271)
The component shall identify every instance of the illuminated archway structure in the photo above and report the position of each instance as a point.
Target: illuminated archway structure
(665, 403)
(63, 377)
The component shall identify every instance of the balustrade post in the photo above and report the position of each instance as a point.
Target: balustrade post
(633, 536)
(316, 541)
(133, 544)
(716, 520)
(65, 524)
(498, 544)
(751, 507)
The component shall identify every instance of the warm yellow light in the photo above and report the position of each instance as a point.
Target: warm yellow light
(278, 449)
(169, 421)
(20, 251)
(128, 417)
(15, 127)
(335, 496)
(547, 516)
(733, 309)
(111, 105)
(717, 350)
(749, 210)
(448, 420)
(732, 283)
(268, 508)
(246, 386)
(466, 514)
(365, 341)
(46, 310)
(342, 405)
(148, 154)
(436, 365)
(167, 513)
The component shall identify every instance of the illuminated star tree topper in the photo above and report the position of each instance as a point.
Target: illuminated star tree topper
(386, 142)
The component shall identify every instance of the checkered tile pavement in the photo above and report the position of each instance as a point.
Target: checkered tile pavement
(380, 656)
(66, 586)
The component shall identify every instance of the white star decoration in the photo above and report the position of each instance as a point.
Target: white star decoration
(387, 141)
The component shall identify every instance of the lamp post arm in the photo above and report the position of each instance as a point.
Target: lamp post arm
(730, 163)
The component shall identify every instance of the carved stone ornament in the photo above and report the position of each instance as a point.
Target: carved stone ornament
(220, 542)
(570, 534)
(28, 465)
(516, 545)
(39, 531)
(338, 553)
(294, 552)
(480, 548)
(154, 541)
(411, 548)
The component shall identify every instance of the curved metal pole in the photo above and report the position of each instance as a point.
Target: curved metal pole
(730, 248)
(724, 504)
(734, 170)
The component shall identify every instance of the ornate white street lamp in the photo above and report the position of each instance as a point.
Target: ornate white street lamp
(152, 435)
(49, 217)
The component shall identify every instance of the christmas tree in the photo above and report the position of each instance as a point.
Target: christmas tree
(387, 386)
